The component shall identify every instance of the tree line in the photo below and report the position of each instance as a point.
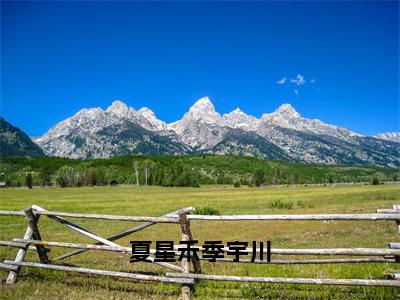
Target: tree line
(147, 173)
(180, 171)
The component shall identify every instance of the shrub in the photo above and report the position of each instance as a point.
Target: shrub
(375, 180)
(236, 184)
(207, 210)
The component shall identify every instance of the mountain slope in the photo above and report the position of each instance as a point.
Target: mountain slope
(242, 143)
(14, 142)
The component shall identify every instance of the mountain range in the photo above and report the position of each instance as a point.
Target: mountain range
(283, 134)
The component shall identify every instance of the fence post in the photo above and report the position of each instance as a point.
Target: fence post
(187, 236)
(33, 219)
(396, 257)
(185, 225)
(185, 290)
(12, 276)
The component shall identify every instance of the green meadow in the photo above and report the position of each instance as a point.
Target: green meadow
(156, 201)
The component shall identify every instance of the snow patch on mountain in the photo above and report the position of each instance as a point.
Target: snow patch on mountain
(238, 119)
(389, 136)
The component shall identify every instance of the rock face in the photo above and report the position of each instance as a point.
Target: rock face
(15, 142)
(283, 134)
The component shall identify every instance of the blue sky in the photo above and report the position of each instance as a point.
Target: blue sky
(59, 57)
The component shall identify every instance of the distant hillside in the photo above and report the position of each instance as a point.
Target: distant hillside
(15, 142)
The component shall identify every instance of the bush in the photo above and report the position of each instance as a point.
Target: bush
(207, 210)
(375, 180)
(236, 184)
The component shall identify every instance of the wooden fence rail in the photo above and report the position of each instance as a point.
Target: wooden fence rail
(356, 282)
(32, 240)
(317, 217)
(20, 243)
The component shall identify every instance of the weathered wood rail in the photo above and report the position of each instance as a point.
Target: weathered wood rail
(32, 240)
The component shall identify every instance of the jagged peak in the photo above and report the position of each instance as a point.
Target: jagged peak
(118, 106)
(287, 110)
(286, 107)
(203, 104)
(202, 110)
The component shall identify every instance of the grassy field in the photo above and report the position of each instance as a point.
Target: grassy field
(157, 201)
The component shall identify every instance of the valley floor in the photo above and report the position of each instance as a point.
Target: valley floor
(156, 201)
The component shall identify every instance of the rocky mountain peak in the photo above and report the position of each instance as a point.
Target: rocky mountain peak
(287, 110)
(203, 110)
(118, 107)
(203, 104)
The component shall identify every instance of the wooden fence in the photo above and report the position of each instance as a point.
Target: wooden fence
(182, 276)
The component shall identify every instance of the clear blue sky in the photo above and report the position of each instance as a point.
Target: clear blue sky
(57, 58)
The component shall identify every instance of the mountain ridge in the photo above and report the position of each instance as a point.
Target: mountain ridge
(203, 129)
